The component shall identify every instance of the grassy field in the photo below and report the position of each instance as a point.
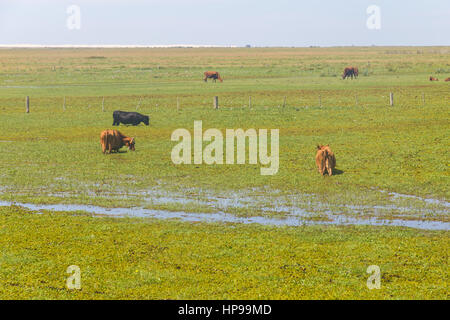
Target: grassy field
(148, 259)
(53, 155)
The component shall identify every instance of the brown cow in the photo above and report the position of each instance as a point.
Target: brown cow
(433, 79)
(325, 160)
(212, 75)
(448, 79)
(113, 140)
(350, 72)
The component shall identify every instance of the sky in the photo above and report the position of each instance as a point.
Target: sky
(225, 22)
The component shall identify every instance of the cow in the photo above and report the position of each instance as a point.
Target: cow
(350, 72)
(325, 159)
(113, 140)
(132, 118)
(447, 80)
(212, 75)
(433, 79)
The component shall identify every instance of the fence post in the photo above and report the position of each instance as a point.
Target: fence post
(320, 100)
(249, 102)
(216, 102)
(391, 99)
(64, 104)
(423, 99)
(139, 103)
(27, 104)
(284, 102)
(356, 99)
(103, 104)
(178, 104)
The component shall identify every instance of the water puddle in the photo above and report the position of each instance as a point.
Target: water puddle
(396, 195)
(296, 217)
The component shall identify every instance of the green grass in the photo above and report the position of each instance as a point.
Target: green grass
(151, 259)
(54, 156)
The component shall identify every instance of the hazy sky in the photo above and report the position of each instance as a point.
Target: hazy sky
(226, 22)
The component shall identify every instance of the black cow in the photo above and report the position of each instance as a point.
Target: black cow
(133, 118)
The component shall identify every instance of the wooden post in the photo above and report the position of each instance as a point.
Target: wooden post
(139, 103)
(391, 99)
(284, 102)
(178, 104)
(423, 99)
(103, 104)
(27, 104)
(64, 104)
(249, 102)
(216, 102)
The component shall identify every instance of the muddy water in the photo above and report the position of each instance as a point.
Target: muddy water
(297, 217)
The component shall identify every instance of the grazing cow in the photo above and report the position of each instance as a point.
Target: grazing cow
(433, 79)
(133, 118)
(448, 79)
(325, 160)
(350, 72)
(212, 75)
(113, 140)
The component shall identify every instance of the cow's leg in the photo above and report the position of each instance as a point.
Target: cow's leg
(329, 170)
(321, 168)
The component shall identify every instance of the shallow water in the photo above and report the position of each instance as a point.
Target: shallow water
(427, 200)
(296, 218)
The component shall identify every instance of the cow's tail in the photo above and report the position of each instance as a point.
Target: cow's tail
(108, 142)
(103, 141)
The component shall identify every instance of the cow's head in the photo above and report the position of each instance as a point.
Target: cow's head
(129, 142)
(146, 120)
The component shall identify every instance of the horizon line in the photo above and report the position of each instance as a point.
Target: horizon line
(112, 46)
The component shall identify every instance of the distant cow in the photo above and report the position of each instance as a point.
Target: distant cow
(433, 79)
(132, 118)
(113, 140)
(325, 160)
(448, 79)
(212, 75)
(350, 72)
